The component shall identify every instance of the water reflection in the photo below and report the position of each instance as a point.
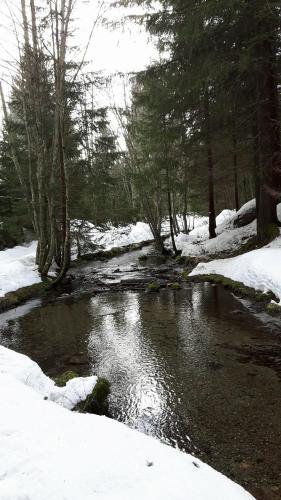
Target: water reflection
(118, 350)
(174, 371)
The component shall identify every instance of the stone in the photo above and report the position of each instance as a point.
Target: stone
(97, 401)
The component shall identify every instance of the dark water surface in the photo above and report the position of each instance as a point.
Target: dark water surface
(195, 368)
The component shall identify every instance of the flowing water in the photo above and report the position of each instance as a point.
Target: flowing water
(197, 368)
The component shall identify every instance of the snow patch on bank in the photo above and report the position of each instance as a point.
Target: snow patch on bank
(197, 242)
(17, 268)
(49, 452)
(259, 269)
(110, 236)
(26, 371)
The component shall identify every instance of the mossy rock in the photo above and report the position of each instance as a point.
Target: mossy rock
(114, 251)
(236, 287)
(174, 286)
(143, 257)
(153, 287)
(186, 276)
(179, 259)
(97, 401)
(62, 379)
(274, 309)
(13, 299)
(272, 232)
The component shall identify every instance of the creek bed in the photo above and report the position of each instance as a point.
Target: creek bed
(195, 368)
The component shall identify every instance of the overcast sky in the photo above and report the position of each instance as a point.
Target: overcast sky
(123, 49)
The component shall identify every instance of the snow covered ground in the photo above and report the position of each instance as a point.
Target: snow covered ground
(17, 268)
(51, 453)
(17, 265)
(24, 370)
(259, 269)
(197, 242)
(111, 236)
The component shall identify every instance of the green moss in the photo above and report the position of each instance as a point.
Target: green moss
(180, 259)
(273, 309)
(96, 402)
(174, 286)
(62, 379)
(13, 299)
(186, 276)
(153, 287)
(143, 257)
(272, 232)
(236, 287)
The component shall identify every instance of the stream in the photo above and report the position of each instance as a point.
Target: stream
(197, 368)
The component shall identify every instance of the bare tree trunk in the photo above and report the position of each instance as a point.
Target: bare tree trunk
(269, 133)
(212, 214)
(170, 212)
(61, 33)
(235, 165)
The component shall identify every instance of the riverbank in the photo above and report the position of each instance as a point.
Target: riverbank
(234, 259)
(20, 280)
(89, 243)
(191, 366)
(17, 265)
(230, 259)
(87, 456)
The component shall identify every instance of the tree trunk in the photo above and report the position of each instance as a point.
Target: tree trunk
(170, 213)
(235, 165)
(269, 135)
(212, 214)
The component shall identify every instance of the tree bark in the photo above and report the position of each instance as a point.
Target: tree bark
(210, 162)
(269, 136)
(235, 165)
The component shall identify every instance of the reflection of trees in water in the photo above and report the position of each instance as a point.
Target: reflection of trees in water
(51, 335)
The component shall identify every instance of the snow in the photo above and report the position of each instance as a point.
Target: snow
(51, 453)
(17, 268)
(259, 269)
(197, 243)
(26, 371)
(120, 236)
(110, 236)
(247, 207)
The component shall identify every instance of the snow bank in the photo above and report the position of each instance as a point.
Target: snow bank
(197, 243)
(26, 371)
(229, 237)
(247, 207)
(111, 236)
(259, 269)
(17, 268)
(120, 236)
(227, 240)
(50, 453)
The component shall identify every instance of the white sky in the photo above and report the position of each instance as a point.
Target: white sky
(123, 49)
